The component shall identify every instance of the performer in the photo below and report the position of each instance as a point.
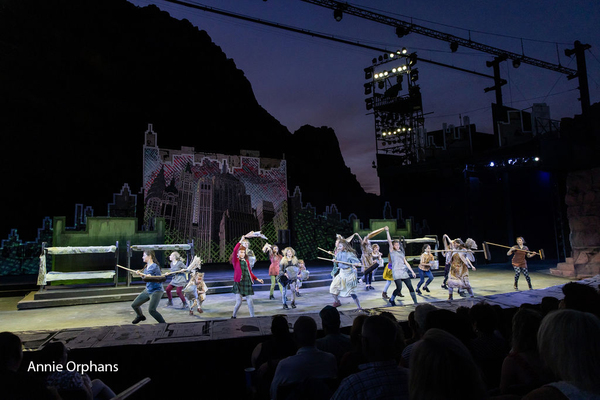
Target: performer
(249, 253)
(377, 258)
(425, 268)
(519, 262)
(275, 258)
(288, 273)
(345, 280)
(195, 291)
(459, 267)
(400, 269)
(178, 281)
(449, 245)
(243, 276)
(154, 290)
(389, 278)
(368, 263)
(303, 275)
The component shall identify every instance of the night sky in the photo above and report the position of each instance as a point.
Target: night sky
(303, 80)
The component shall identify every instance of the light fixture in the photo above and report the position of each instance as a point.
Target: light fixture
(338, 14)
(404, 51)
(381, 85)
(453, 46)
(414, 75)
(412, 59)
(516, 63)
(402, 31)
(369, 73)
(368, 88)
(536, 159)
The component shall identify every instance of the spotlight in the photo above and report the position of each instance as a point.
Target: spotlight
(404, 51)
(516, 63)
(394, 70)
(374, 61)
(492, 164)
(368, 88)
(381, 85)
(369, 73)
(385, 56)
(453, 46)
(391, 55)
(536, 159)
(338, 14)
(369, 103)
(412, 59)
(414, 75)
(402, 31)
(380, 58)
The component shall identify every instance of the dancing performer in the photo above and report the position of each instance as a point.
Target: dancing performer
(249, 253)
(368, 263)
(303, 275)
(345, 280)
(449, 245)
(388, 276)
(154, 290)
(459, 267)
(425, 268)
(178, 269)
(519, 262)
(288, 273)
(195, 291)
(275, 258)
(400, 269)
(242, 275)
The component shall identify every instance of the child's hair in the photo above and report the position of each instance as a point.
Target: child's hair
(200, 275)
(522, 238)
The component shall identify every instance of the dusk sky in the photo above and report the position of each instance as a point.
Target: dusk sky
(304, 80)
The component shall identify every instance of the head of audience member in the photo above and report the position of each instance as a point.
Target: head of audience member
(378, 333)
(443, 352)
(450, 322)
(421, 312)
(483, 318)
(330, 319)
(581, 297)
(525, 325)
(11, 351)
(568, 344)
(305, 331)
(400, 340)
(280, 328)
(549, 304)
(55, 351)
(356, 331)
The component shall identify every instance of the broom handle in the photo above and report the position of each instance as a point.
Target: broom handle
(539, 253)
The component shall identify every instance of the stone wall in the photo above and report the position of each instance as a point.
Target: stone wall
(583, 210)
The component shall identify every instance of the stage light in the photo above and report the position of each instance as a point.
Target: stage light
(492, 164)
(402, 31)
(516, 63)
(369, 103)
(374, 61)
(414, 75)
(394, 70)
(453, 47)
(404, 67)
(536, 159)
(368, 88)
(391, 55)
(380, 58)
(404, 51)
(369, 73)
(385, 73)
(385, 56)
(412, 59)
(338, 14)
(381, 85)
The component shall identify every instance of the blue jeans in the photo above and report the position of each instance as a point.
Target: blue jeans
(422, 275)
(154, 299)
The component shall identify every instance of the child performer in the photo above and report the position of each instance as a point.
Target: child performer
(303, 275)
(345, 282)
(288, 267)
(154, 290)
(275, 258)
(519, 262)
(368, 263)
(425, 268)
(400, 269)
(459, 267)
(195, 291)
(243, 276)
(449, 245)
(178, 281)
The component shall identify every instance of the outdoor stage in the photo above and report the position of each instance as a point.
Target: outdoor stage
(109, 324)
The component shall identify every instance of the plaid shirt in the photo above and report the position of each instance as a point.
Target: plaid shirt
(376, 380)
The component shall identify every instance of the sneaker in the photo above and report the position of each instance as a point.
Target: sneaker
(293, 304)
(184, 305)
(400, 295)
(384, 296)
(418, 292)
(232, 317)
(450, 297)
(298, 294)
(138, 319)
(366, 288)
(191, 312)
(371, 287)
(271, 297)
(444, 286)
(515, 287)
(200, 310)
(169, 303)
(425, 288)
(530, 287)
(285, 307)
(462, 294)
(336, 304)
(392, 302)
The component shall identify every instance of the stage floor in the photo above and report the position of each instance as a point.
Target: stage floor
(110, 323)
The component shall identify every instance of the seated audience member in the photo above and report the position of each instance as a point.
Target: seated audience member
(267, 355)
(522, 368)
(334, 341)
(412, 329)
(353, 358)
(308, 369)
(400, 342)
(581, 297)
(450, 322)
(569, 347)
(72, 383)
(380, 377)
(442, 368)
(488, 348)
(421, 312)
(549, 304)
(16, 385)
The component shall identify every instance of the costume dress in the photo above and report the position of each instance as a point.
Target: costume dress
(459, 273)
(344, 283)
